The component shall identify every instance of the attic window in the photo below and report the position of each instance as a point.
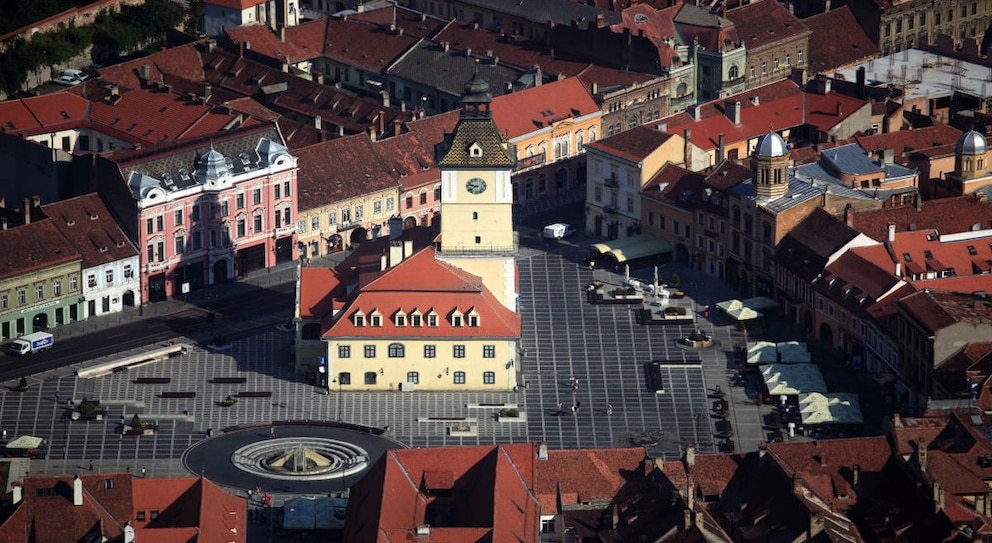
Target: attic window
(140, 515)
(184, 174)
(475, 150)
(640, 18)
(971, 250)
(432, 319)
(154, 515)
(244, 158)
(108, 484)
(400, 319)
(375, 319)
(928, 255)
(416, 319)
(906, 257)
(359, 318)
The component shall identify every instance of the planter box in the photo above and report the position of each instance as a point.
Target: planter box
(463, 430)
(520, 418)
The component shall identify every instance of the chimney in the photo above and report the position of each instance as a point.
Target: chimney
(27, 211)
(537, 75)
(600, 20)
(896, 420)
(898, 270)
(3, 223)
(733, 110)
(856, 477)
(36, 200)
(247, 45)
(395, 253)
(686, 518)
(594, 88)
(695, 112)
(475, 26)
(397, 127)
(615, 510)
(285, 66)
(687, 148)
(372, 134)
(18, 494)
(407, 243)
(318, 122)
(77, 491)
(938, 496)
(918, 202)
(980, 503)
(129, 533)
(823, 459)
(146, 72)
(849, 217)
(318, 77)
(445, 46)
(382, 122)
(403, 106)
(282, 33)
(542, 451)
(891, 233)
(690, 456)
(719, 149)
(211, 44)
(861, 83)
(840, 110)
(921, 453)
(207, 92)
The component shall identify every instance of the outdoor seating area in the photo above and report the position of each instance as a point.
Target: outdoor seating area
(804, 407)
(787, 352)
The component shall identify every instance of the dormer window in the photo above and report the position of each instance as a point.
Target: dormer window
(456, 318)
(400, 318)
(416, 319)
(375, 319)
(473, 318)
(475, 150)
(432, 319)
(359, 318)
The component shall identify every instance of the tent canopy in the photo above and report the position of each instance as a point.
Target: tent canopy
(793, 351)
(737, 310)
(649, 247)
(597, 249)
(793, 379)
(25, 442)
(835, 408)
(760, 303)
(761, 352)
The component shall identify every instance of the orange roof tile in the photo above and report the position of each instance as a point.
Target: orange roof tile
(635, 144)
(584, 475)
(21, 253)
(533, 109)
(265, 42)
(91, 229)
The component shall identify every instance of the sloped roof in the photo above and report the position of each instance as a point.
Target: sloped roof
(635, 144)
(584, 475)
(339, 37)
(512, 51)
(265, 42)
(21, 253)
(427, 63)
(826, 466)
(421, 282)
(935, 310)
(837, 41)
(536, 108)
(946, 215)
(779, 104)
(45, 113)
(91, 229)
(482, 132)
(188, 507)
(805, 249)
(339, 169)
(413, 23)
(491, 499)
(764, 23)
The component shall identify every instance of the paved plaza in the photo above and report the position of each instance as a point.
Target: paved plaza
(564, 336)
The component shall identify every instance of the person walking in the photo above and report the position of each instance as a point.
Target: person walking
(609, 409)
(57, 396)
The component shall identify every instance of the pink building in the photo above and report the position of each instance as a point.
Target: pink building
(205, 211)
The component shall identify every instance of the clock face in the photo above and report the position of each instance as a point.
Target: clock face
(475, 185)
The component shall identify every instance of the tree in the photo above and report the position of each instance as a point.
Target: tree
(136, 422)
(675, 280)
(23, 384)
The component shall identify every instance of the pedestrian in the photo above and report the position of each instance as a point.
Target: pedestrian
(143, 470)
(91, 466)
(5, 434)
(592, 264)
(560, 407)
(57, 396)
(578, 404)
(609, 409)
(574, 408)
(575, 388)
(272, 432)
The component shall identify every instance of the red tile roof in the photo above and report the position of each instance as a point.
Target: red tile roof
(265, 42)
(42, 114)
(21, 252)
(946, 215)
(935, 310)
(514, 52)
(421, 282)
(90, 228)
(582, 476)
(339, 169)
(713, 472)
(491, 499)
(837, 41)
(765, 22)
(635, 144)
(906, 142)
(188, 507)
(365, 45)
(779, 104)
(906, 431)
(536, 108)
(318, 289)
(826, 465)
(412, 22)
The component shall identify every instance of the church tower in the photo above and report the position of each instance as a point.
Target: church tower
(476, 195)
(770, 167)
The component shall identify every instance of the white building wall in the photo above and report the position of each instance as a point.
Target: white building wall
(109, 296)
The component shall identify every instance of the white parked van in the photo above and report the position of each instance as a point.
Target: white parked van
(558, 230)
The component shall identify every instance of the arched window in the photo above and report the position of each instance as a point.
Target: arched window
(681, 89)
(542, 149)
(734, 72)
(592, 134)
(580, 141)
(396, 350)
(967, 163)
(981, 164)
(475, 215)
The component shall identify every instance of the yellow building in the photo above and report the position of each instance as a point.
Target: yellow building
(395, 316)
(477, 196)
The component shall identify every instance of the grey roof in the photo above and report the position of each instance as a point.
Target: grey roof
(562, 12)
(428, 64)
(971, 143)
(850, 159)
(771, 145)
(176, 168)
(797, 193)
(693, 15)
(923, 74)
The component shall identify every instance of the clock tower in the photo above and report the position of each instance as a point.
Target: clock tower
(477, 197)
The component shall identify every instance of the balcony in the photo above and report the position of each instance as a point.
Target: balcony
(530, 162)
(733, 82)
(613, 181)
(611, 210)
(682, 102)
(348, 225)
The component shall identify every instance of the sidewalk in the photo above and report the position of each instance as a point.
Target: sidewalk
(276, 275)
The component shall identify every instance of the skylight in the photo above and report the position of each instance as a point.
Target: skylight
(906, 257)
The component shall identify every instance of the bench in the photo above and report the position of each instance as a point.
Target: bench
(229, 380)
(170, 394)
(153, 380)
(255, 394)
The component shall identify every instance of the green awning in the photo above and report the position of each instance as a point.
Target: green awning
(605, 247)
(649, 247)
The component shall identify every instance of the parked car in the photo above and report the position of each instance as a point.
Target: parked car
(71, 78)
